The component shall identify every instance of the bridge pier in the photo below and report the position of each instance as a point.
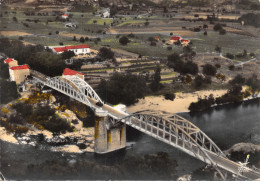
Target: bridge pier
(107, 138)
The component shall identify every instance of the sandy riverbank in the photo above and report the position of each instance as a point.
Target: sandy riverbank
(180, 103)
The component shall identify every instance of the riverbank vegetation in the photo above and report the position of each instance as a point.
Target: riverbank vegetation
(233, 95)
(34, 110)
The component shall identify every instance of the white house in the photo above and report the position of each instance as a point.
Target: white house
(70, 72)
(11, 62)
(105, 13)
(19, 73)
(77, 49)
(64, 16)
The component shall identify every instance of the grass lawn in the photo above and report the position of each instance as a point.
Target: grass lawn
(229, 43)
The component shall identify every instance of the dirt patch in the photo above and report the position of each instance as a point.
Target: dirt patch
(13, 33)
(153, 30)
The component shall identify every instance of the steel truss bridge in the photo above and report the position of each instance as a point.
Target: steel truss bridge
(171, 129)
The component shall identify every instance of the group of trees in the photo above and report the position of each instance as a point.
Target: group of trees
(185, 67)
(250, 19)
(233, 95)
(218, 27)
(42, 116)
(34, 55)
(122, 88)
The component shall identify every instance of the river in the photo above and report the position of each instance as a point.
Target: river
(225, 125)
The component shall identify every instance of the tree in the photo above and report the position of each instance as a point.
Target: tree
(218, 27)
(4, 73)
(169, 96)
(82, 39)
(122, 88)
(57, 32)
(209, 69)
(8, 91)
(15, 19)
(230, 56)
(190, 67)
(146, 23)
(74, 38)
(205, 33)
(198, 81)
(222, 32)
(218, 49)
(156, 78)
(174, 61)
(205, 26)
(67, 55)
(238, 79)
(106, 53)
(124, 40)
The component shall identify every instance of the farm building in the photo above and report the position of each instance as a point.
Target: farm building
(185, 42)
(69, 72)
(19, 73)
(175, 39)
(64, 16)
(77, 49)
(11, 62)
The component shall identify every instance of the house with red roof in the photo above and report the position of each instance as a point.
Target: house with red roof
(175, 39)
(64, 16)
(19, 73)
(11, 62)
(70, 72)
(77, 49)
(185, 42)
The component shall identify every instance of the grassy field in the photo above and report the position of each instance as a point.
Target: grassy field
(229, 43)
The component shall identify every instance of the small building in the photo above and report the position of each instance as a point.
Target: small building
(105, 13)
(77, 49)
(19, 73)
(70, 72)
(175, 39)
(185, 42)
(157, 38)
(64, 16)
(11, 62)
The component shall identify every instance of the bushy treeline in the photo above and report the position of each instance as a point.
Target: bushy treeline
(233, 95)
(251, 19)
(185, 67)
(41, 116)
(8, 91)
(122, 88)
(34, 55)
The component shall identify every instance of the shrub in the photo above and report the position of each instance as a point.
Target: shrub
(169, 48)
(222, 32)
(153, 43)
(82, 39)
(238, 79)
(188, 79)
(124, 40)
(231, 67)
(230, 56)
(202, 104)
(221, 76)
(218, 27)
(57, 125)
(209, 69)
(217, 65)
(169, 96)
(5, 110)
